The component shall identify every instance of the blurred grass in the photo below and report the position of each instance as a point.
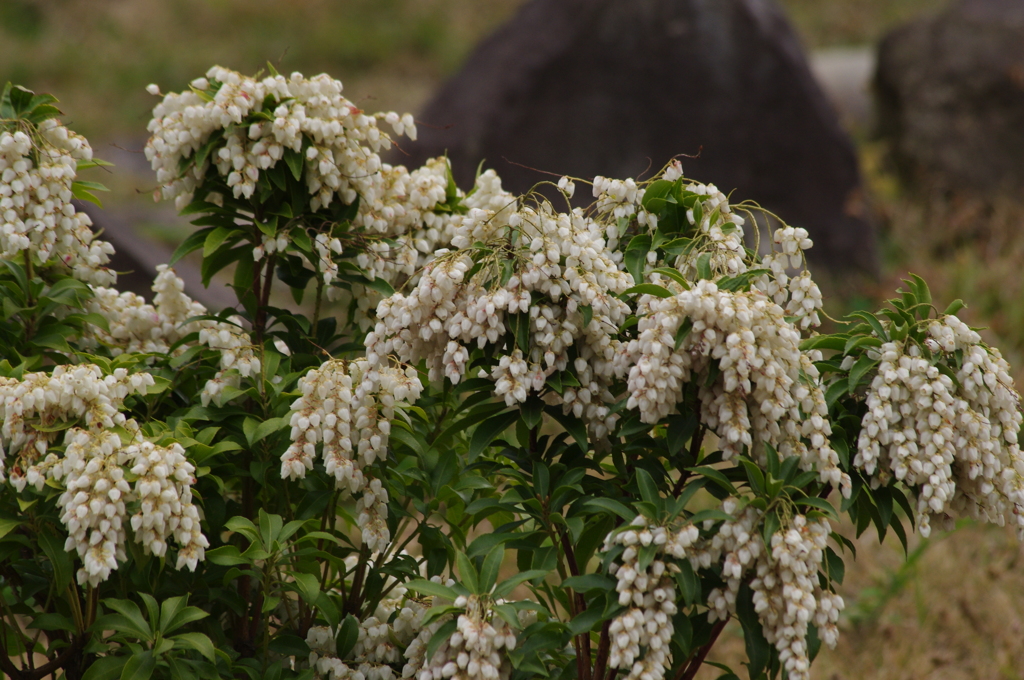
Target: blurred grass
(98, 57)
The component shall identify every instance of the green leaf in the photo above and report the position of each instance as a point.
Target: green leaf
(649, 289)
(610, 505)
(488, 430)
(268, 427)
(467, 573)
(510, 584)
(9, 525)
(954, 307)
(308, 586)
(689, 583)
(131, 612)
(704, 266)
(380, 285)
(836, 566)
(424, 587)
(716, 476)
(872, 321)
(833, 342)
(83, 194)
(819, 504)
(216, 238)
(586, 621)
(635, 256)
(588, 314)
(348, 635)
(648, 489)
(656, 194)
(294, 160)
(673, 274)
(192, 243)
(225, 556)
(197, 641)
(139, 667)
(174, 615)
(573, 425)
(442, 634)
(490, 568)
(105, 668)
(60, 561)
(859, 369)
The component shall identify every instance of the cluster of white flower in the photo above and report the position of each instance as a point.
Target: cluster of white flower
(740, 542)
(30, 407)
(349, 406)
(641, 636)
(237, 357)
(721, 229)
(798, 294)
(36, 213)
(323, 657)
(955, 445)
(93, 464)
(786, 590)
(788, 596)
(136, 326)
(163, 486)
(764, 389)
(93, 502)
(340, 143)
(383, 636)
(559, 270)
(477, 650)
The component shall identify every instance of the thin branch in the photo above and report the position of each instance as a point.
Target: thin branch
(689, 670)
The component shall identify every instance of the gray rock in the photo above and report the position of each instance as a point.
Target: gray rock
(950, 95)
(617, 87)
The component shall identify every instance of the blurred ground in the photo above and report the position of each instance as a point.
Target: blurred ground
(954, 611)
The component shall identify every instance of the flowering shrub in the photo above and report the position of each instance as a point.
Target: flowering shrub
(493, 438)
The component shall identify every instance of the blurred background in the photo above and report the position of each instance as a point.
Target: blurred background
(955, 609)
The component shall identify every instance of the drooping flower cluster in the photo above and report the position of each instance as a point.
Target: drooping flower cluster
(755, 386)
(788, 596)
(134, 326)
(347, 407)
(477, 650)
(93, 502)
(799, 294)
(383, 637)
(955, 444)
(641, 636)
(549, 274)
(740, 543)
(32, 406)
(786, 590)
(163, 487)
(93, 464)
(37, 171)
(303, 115)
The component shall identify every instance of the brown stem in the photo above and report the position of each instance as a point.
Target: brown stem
(352, 606)
(583, 640)
(689, 670)
(49, 667)
(603, 649)
(695, 443)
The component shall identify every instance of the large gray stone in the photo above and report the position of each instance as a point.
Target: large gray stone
(950, 91)
(617, 87)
